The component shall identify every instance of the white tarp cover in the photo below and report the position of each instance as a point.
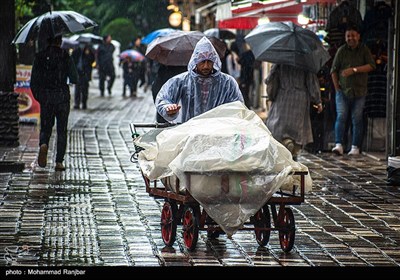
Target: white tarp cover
(236, 162)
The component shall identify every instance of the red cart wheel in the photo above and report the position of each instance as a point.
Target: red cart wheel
(262, 219)
(168, 222)
(287, 234)
(190, 228)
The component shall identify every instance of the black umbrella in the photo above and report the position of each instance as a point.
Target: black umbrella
(176, 48)
(52, 24)
(288, 43)
(69, 44)
(223, 34)
(87, 38)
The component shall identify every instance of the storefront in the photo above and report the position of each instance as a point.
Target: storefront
(377, 19)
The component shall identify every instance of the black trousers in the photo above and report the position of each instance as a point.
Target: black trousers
(245, 89)
(81, 93)
(49, 113)
(102, 79)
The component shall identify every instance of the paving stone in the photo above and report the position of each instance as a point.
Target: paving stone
(98, 212)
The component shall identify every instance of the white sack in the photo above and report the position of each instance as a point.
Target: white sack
(229, 140)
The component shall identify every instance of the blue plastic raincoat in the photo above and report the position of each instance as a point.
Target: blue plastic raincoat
(195, 93)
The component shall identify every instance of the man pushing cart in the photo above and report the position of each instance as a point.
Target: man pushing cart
(221, 167)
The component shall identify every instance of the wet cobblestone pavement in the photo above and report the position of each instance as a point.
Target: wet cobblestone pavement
(97, 212)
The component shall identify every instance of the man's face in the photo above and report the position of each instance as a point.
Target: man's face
(205, 67)
(352, 38)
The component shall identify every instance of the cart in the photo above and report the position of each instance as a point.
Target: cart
(180, 208)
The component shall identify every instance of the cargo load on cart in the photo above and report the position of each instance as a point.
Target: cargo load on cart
(226, 158)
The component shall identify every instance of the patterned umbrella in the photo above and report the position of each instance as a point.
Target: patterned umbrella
(133, 54)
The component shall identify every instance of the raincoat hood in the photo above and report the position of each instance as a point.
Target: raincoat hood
(195, 93)
(204, 50)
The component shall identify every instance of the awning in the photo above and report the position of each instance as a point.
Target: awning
(246, 16)
(239, 23)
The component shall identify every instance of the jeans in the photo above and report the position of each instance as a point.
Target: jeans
(344, 106)
(49, 113)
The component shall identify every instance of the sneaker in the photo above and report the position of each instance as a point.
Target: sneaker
(59, 166)
(338, 150)
(42, 158)
(354, 151)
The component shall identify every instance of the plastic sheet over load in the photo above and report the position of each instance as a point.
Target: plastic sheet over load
(226, 158)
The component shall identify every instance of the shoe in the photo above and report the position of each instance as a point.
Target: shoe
(59, 166)
(288, 143)
(84, 107)
(355, 151)
(42, 158)
(101, 93)
(76, 107)
(109, 91)
(338, 150)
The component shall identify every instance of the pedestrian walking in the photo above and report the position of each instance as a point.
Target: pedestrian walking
(105, 64)
(246, 61)
(289, 115)
(128, 70)
(350, 67)
(142, 66)
(51, 70)
(200, 89)
(83, 58)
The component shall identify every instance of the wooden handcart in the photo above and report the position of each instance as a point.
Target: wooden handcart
(180, 208)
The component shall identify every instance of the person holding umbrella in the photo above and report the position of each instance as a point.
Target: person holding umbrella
(199, 89)
(83, 58)
(51, 70)
(289, 118)
(105, 64)
(298, 55)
